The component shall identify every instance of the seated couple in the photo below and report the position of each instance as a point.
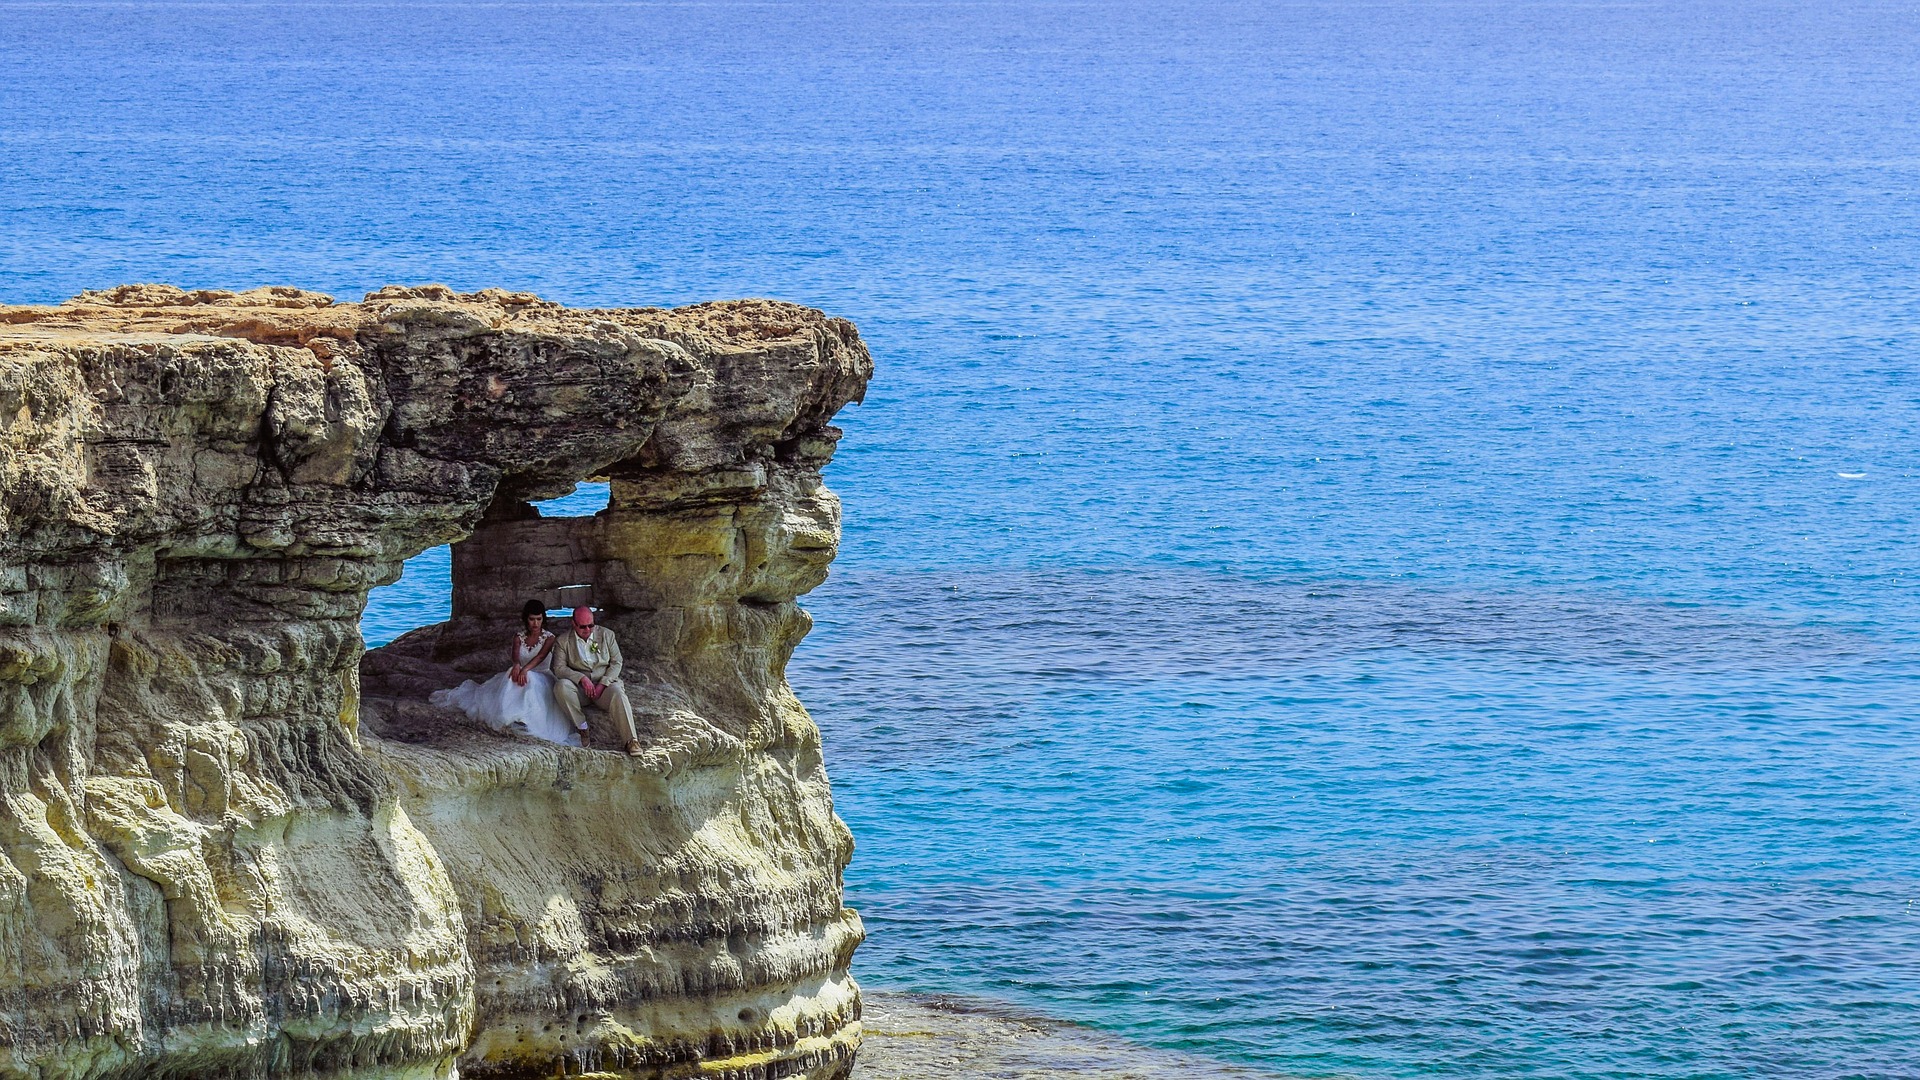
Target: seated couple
(551, 682)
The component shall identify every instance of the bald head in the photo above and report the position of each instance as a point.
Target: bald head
(583, 621)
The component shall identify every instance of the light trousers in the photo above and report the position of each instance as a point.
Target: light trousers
(613, 701)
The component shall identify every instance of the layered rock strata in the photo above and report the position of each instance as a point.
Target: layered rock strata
(234, 843)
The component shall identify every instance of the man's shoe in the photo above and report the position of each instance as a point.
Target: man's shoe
(633, 748)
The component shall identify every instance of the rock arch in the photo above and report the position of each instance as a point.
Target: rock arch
(232, 845)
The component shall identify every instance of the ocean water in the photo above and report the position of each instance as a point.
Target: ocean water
(1383, 540)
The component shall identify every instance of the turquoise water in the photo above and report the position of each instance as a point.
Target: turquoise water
(1383, 540)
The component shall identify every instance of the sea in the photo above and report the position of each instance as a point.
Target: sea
(1382, 541)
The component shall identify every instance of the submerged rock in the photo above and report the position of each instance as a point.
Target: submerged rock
(943, 1037)
(234, 843)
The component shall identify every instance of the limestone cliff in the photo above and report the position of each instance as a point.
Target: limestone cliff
(234, 843)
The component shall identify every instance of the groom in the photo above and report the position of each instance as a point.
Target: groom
(586, 664)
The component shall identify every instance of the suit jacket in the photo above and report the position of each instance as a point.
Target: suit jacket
(598, 657)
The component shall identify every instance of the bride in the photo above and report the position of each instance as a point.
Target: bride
(521, 697)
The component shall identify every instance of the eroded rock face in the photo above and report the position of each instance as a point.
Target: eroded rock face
(223, 852)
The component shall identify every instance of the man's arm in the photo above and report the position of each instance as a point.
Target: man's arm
(561, 668)
(614, 660)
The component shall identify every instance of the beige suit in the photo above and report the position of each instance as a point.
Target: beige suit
(598, 658)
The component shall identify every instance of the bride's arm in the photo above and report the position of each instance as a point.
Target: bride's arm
(513, 664)
(546, 646)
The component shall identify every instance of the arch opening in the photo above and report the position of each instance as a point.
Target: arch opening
(423, 596)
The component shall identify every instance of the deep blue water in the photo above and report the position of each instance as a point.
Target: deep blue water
(1383, 540)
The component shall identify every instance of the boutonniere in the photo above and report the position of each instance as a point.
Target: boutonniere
(593, 646)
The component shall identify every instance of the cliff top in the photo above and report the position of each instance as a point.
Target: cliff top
(146, 427)
(283, 315)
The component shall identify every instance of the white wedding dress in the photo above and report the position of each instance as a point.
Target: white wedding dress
(502, 705)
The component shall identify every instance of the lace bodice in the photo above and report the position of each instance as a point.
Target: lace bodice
(524, 650)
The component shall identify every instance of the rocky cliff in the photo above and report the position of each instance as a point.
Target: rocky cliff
(234, 843)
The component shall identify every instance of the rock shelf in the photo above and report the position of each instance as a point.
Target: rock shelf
(945, 1037)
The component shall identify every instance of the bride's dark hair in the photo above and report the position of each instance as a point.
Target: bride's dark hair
(529, 610)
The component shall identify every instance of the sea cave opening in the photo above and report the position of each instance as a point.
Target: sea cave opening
(423, 595)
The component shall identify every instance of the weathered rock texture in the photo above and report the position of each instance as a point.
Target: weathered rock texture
(223, 854)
